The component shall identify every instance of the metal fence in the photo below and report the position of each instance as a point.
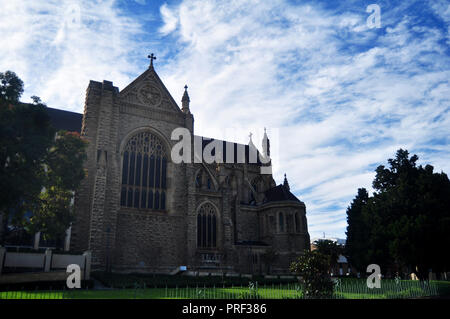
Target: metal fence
(343, 289)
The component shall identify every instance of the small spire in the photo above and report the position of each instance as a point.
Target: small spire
(266, 144)
(185, 101)
(286, 183)
(151, 57)
(250, 142)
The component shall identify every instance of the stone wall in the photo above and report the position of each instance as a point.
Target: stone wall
(247, 224)
(155, 242)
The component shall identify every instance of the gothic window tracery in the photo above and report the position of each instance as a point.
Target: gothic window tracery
(198, 180)
(206, 226)
(258, 184)
(208, 183)
(204, 181)
(289, 222)
(144, 172)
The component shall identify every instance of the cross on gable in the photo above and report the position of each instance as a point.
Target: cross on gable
(151, 57)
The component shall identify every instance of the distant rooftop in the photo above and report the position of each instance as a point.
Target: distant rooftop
(340, 241)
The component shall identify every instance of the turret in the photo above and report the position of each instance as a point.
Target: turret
(286, 183)
(250, 142)
(266, 145)
(185, 101)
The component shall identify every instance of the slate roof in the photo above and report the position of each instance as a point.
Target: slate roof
(280, 193)
(71, 121)
(236, 149)
(65, 120)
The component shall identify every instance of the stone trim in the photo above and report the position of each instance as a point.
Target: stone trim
(154, 114)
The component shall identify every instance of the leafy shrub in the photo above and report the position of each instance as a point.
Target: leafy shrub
(315, 279)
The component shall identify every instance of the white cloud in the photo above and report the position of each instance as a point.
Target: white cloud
(56, 47)
(339, 113)
(169, 19)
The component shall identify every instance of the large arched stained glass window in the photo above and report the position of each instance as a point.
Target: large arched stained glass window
(206, 226)
(144, 168)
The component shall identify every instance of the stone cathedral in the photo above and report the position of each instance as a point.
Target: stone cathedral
(139, 211)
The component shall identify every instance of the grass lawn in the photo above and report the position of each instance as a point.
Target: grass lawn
(347, 289)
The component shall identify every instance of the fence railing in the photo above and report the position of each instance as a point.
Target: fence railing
(45, 262)
(344, 289)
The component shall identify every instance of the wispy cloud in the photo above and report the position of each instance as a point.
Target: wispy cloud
(56, 47)
(343, 96)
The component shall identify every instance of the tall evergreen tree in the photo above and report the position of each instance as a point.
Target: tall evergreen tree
(355, 246)
(405, 224)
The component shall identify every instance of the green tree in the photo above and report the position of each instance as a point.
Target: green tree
(405, 224)
(357, 236)
(11, 87)
(415, 210)
(38, 172)
(313, 268)
(329, 248)
(64, 173)
(25, 137)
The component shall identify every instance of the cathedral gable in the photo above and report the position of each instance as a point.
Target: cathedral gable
(148, 90)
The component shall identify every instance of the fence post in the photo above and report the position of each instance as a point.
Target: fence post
(87, 265)
(67, 239)
(37, 238)
(2, 258)
(48, 260)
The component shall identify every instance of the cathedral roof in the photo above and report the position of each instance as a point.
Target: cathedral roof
(235, 146)
(280, 193)
(71, 121)
(65, 120)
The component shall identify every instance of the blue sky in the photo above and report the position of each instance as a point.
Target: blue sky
(338, 98)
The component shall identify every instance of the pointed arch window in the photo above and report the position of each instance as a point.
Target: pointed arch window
(198, 180)
(144, 173)
(204, 181)
(206, 226)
